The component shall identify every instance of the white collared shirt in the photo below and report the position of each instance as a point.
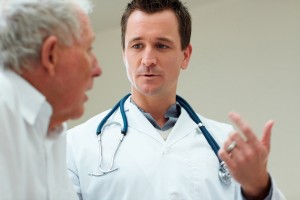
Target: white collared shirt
(32, 164)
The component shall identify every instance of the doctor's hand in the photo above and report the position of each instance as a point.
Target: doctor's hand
(246, 158)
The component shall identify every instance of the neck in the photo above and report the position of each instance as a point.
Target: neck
(157, 106)
(47, 88)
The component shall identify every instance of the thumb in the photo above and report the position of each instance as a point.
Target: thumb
(266, 137)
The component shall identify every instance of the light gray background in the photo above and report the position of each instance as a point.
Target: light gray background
(246, 58)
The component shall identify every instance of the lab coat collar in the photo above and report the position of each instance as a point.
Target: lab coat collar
(183, 127)
(137, 120)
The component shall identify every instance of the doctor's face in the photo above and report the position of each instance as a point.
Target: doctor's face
(152, 54)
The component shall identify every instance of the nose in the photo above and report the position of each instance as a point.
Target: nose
(149, 58)
(97, 71)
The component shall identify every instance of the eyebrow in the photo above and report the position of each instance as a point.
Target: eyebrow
(135, 39)
(163, 39)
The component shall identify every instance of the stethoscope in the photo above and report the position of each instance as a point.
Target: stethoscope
(224, 174)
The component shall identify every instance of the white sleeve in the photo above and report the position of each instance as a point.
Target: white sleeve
(8, 159)
(274, 193)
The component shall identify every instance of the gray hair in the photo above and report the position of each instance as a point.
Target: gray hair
(25, 24)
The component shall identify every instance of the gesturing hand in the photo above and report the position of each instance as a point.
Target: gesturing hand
(246, 157)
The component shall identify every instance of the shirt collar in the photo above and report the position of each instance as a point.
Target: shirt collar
(31, 101)
(172, 115)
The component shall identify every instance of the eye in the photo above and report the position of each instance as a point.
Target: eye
(137, 46)
(162, 46)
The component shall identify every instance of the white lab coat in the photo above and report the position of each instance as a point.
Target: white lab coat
(183, 167)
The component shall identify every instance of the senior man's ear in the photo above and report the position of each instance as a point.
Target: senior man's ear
(49, 54)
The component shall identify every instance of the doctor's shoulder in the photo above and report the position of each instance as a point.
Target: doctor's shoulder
(88, 127)
(219, 130)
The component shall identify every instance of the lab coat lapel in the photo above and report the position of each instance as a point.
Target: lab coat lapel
(183, 127)
(138, 121)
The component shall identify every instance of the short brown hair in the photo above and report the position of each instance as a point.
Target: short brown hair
(152, 6)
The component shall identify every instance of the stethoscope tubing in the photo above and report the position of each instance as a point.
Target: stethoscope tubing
(224, 174)
(215, 147)
(120, 105)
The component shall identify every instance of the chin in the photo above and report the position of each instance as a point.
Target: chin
(78, 113)
(149, 91)
(86, 98)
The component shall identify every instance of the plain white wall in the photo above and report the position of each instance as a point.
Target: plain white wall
(246, 58)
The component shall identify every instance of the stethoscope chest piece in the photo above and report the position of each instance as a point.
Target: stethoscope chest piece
(224, 174)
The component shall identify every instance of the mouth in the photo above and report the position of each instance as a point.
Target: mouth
(90, 86)
(149, 75)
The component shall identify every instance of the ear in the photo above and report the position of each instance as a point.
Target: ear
(187, 55)
(49, 54)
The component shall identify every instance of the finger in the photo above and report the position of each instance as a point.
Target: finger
(243, 126)
(229, 140)
(236, 136)
(241, 147)
(223, 154)
(234, 143)
(227, 158)
(266, 137)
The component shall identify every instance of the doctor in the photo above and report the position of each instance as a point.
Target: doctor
(164, 155)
